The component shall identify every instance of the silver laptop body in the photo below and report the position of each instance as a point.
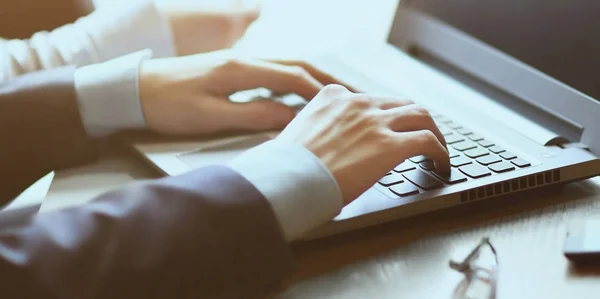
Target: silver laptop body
(515, 127)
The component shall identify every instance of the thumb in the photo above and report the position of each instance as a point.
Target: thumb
(259, 115)
(251, 14)
(249, 11)
(242, 19)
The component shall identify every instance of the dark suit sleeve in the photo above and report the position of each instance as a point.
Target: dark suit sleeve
(205, 234)
(40, 129)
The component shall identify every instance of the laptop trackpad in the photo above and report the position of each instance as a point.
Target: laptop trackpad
(221, 152)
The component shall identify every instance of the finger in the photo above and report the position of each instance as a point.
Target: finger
(385, 102)
(318, 74)
(327, 94)
(425, 143)
(255, 116)
(335, 90)
(238, 75)
(247, 15)
(240, 20)
(413, 117)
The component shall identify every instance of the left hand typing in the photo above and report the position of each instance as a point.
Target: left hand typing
(204, 26)
(190, 95)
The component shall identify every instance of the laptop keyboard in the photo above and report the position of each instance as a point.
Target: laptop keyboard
(472, 157)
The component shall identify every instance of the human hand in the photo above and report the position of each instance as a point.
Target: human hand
(361, 138)
(189, 95)
(202, 26)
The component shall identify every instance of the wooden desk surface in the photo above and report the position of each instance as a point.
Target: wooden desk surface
(406, 258)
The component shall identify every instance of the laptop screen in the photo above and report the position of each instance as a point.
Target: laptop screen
(560, 38)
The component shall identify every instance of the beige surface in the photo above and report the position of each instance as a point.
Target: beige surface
(408, 258)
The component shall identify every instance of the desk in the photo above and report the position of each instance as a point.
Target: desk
(409, 258)
(406, 258)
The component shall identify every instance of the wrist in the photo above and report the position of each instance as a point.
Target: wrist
(150, 78)
(108, 94)
(307, 199)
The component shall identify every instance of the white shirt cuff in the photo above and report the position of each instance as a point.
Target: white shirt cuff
(124, 27)
(108, 94)
(303, 193)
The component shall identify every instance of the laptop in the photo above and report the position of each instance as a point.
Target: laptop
(512, 84)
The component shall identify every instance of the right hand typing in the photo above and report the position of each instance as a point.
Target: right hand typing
(361, 138)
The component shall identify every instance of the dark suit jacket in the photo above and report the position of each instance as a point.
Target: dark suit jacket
(205, 234)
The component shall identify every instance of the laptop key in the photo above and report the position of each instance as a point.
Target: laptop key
(418, 159)
(445, 130)
(486, 143)
(453, 138)
(443, 119)
(476, 153)
(501, 167)
(507, 155)
(459, 161)
(422, 180)
(427, 165)
(405, 166)
(475, 137)
(464, 131)
(454, 125)
(452, 152)
(433, 114)
(404, 189)
(496, 149)
(475, 171)
(488, 160)
(520, 162)
(454, 177)
(391, 179)
(464, 145)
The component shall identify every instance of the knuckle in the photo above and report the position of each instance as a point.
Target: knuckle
(231, 64)
(427, 137)
(371, 122)
(386, 137)
(300, 64)
(334, 89)
(420, 110)
(370, 119)
(299, 72)
(360, 101)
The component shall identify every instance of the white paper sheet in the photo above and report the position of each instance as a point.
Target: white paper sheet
(27, 204)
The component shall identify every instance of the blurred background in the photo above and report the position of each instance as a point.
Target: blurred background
(302, 26)
(21, 18)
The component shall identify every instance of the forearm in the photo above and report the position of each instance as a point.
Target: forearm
(48, 118)
(206, 234)
(40, 129)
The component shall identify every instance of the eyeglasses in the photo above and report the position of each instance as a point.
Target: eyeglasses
(480, 268)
